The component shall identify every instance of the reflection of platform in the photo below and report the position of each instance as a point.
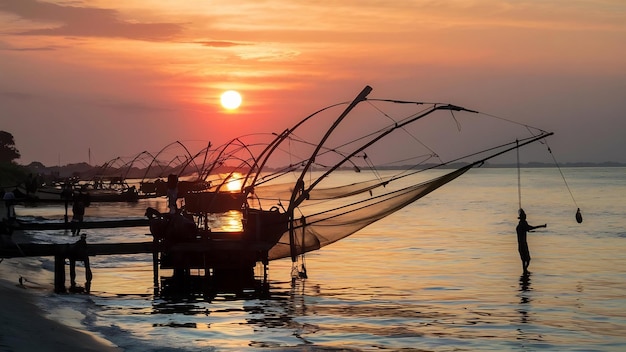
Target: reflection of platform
(178, 286)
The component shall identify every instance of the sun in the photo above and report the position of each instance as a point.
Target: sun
(231, 99)
(234, 182)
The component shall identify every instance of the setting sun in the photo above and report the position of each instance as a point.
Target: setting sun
(231, 99)
(235, 183)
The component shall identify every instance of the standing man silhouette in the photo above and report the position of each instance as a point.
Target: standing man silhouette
(172, 193)
(522, 229)
(79, 253)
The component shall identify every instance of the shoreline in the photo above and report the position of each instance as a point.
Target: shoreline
(24, 326)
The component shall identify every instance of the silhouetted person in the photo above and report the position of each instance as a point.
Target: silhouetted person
(78, 212)
(66, 195)
(78, 252)
(172, 193)
(9, 201)
(5, 234)
(522, 229)
(31, 184)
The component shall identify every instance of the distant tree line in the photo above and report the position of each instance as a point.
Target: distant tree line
(8, 151)
(11, 174)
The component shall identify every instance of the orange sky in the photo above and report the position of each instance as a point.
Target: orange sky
(120, 78)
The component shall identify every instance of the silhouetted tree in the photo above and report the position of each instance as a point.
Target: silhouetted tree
(8, 152)
(36, 165)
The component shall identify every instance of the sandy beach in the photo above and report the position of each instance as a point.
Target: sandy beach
(24, 327)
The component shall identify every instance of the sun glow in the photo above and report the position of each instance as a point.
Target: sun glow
(234, 184)
(231, 100)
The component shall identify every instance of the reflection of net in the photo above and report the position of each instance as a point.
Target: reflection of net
(314, 231)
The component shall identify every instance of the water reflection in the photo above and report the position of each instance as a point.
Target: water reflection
(368, 292)
(525, 289)
(185, 307)
(264, 310)
(229, 222)
(525, 298)
(278, 312)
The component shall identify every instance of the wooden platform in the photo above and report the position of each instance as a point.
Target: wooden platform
(226, 260)
(211, 248)
(58, 249)
(61, 225)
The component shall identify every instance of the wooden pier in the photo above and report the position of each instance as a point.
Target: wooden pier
(63, 225)
(56, 249)
(202, 261)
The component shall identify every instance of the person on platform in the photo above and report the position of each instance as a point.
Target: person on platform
(78, 211)
(172, 193)
(79, 253)
(9, 202)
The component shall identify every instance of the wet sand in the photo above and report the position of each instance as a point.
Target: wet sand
(24, 327)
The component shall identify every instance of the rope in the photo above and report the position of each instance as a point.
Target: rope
(407, 131)
(561, 172)
(519, 177)
(302, 273)
(528, 127)
(19, 249)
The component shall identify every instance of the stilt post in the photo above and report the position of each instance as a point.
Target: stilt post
(59, 274)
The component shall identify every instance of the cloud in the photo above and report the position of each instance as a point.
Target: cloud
(219, 44)
(16, 95)
(8, 47)
(130, 107)
(86, 22)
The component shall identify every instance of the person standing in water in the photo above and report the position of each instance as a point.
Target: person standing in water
(522, 229)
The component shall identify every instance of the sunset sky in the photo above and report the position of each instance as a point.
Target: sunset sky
(121, 77)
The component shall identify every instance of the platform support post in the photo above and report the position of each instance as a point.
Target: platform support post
(59, 274)
(155, 265)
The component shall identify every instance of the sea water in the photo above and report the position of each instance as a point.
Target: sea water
(442, 274)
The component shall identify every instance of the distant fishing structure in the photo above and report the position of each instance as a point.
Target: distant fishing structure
(293, 209)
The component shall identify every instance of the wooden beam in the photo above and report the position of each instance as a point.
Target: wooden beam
(84, 225)
(48, 250)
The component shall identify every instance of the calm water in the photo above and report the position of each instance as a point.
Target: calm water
(440, 275)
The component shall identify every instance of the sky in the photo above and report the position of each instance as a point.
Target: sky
(93, 80)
